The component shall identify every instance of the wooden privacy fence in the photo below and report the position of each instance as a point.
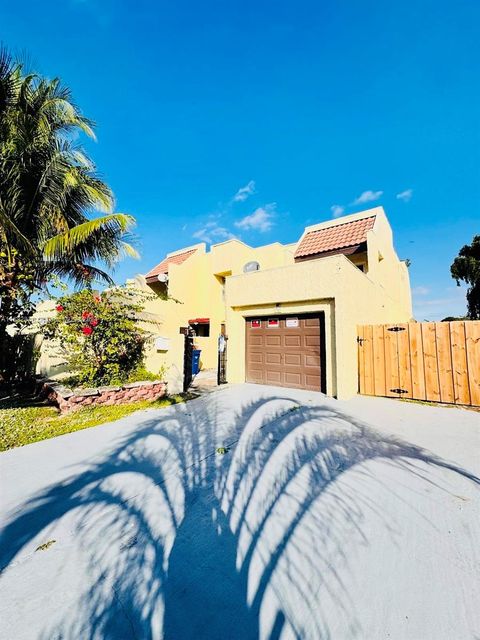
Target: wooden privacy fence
(435, 361)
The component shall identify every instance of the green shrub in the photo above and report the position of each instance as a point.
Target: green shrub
(140, 374)
(137, 375)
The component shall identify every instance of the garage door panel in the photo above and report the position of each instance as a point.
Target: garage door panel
(274, 377)
(294, 379)
(312, 341)
(313, 381)
(288, 356)
(273, 358)
(256, 371)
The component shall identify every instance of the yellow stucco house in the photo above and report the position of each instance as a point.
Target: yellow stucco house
(289, 311)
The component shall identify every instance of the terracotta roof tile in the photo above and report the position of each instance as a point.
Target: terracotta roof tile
(178, 258)
(337, 237)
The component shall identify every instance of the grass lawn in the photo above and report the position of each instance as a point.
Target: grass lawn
(23, 421)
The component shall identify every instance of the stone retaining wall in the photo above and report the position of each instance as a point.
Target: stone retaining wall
(71, 400)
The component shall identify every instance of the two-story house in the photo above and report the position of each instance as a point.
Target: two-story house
(290, 311)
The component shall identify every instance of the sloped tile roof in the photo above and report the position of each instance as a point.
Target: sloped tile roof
(338, 236)
(178, 258)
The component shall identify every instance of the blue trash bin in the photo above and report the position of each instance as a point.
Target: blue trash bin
(196, 361)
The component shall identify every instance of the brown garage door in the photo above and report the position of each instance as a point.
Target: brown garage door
(286, 351)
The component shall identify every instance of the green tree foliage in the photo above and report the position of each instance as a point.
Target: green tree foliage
(466, 268)
(49, 190)
(100, 335)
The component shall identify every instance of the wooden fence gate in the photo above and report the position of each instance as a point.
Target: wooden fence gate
(435, 361)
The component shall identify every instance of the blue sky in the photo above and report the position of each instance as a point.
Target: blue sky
(303, 105)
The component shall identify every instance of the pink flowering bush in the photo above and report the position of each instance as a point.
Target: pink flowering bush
(100, 336)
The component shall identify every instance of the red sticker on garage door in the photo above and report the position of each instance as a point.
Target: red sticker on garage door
(255, 324)
(273, 322)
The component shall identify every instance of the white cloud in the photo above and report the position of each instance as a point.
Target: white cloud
(260, 220)
(368, 196)
(337, 210)
(420, 291)
(244, 192)
(212, 232)
(405, 196)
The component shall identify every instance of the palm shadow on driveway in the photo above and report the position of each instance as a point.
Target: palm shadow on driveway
(176, 541)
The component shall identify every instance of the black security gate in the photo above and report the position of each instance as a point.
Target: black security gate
(222, 359)
(187, 358)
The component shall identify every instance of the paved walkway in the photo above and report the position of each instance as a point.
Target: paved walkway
(323, 519)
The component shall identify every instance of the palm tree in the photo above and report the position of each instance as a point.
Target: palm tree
(49, 190)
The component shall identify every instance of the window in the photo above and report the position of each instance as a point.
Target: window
(202, 330)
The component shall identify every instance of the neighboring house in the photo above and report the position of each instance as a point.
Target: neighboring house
(290, 311)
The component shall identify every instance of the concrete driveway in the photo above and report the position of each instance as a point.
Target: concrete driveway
(324, 519)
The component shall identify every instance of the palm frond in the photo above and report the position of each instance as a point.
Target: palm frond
(13, 235)
(82, 275)
(129, 250)
(8, 80)
(113, 225)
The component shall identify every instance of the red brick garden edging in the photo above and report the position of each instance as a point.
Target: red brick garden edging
(68, 400)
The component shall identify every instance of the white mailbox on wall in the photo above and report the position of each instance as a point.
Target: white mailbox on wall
(162, 344)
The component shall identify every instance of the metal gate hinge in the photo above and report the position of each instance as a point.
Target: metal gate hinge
(398, 391)
(396, 329)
